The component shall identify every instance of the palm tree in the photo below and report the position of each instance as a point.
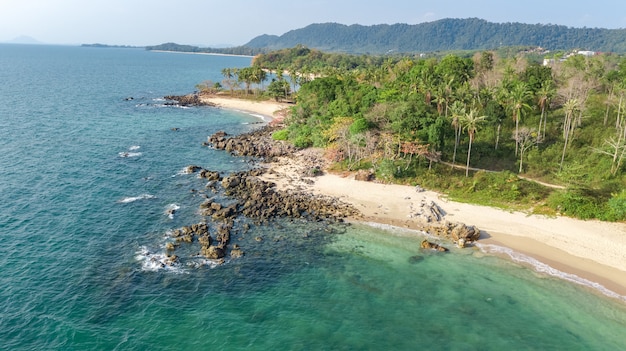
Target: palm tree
(457, 110)
(471, 121)
(570, 107)
(545, 95)
(518, 101)
(228, 74)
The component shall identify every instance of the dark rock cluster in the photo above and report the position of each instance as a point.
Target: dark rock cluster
(258, 143)
(186, 100)
(245, 195)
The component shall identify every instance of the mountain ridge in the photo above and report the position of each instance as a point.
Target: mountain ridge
(450, 34)
(442, 35)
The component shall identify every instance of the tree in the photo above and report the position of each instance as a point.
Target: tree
(544, 95)
(526, 138)
(457, 110)
(518, 102)
(278, 89)
(229, 74)
(570, 107)
(471, 122)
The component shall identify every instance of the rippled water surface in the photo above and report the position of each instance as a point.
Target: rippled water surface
(87, 179)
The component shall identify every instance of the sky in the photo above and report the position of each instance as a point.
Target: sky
(235, 22)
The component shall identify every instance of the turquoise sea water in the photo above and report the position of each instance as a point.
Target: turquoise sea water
(83, 229)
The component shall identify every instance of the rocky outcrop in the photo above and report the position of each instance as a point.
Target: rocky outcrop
(364, 175)
(432, 246)
(187, 100)
(244, 194)
(258, 143)
(458, 233)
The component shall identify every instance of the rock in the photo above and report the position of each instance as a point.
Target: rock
(364, 175)
(457, 233)
(192, 169)
(236, 253)
(209, 175)
(213, 252)
(186, 100)
(461, 242)
(432, 246)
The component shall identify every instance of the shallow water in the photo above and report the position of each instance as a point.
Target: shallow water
(88, 177)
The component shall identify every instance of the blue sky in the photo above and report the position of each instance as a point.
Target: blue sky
(235, 22)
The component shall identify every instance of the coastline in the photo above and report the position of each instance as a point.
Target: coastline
(589, 253)
(197, 53)
(269, 111)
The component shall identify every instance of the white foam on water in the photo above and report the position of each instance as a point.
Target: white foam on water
(129, 154)
(546, 269)
(154, 262)
(136, 198)
(134, 147)
(203, 262)
(171, 209)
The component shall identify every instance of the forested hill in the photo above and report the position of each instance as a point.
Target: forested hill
(443, 35)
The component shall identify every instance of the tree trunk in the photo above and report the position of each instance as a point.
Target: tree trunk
(498, 135)
(543, 112)
(516, 134)
(456, 143)
(469, 151)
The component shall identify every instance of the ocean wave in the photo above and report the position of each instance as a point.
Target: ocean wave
(171, 209)
(134, 147)
(136, 198)
(129, 154)
(546, 269)
(153, 262)
(203, 262)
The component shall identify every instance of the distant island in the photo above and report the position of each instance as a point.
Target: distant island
(442, 35)
(98, 45)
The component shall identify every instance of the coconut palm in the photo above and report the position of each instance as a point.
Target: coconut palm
(545, 94)
(518, 98)
(457, 110)
(570, 107)
(471, 122)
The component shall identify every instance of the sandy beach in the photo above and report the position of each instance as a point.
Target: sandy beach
(593, 251)
(268, 110)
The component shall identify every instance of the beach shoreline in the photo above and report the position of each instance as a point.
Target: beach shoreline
(589, 253)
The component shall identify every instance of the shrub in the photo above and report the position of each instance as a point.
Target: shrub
(282, 134)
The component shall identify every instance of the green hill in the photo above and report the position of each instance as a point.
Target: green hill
(443, 35)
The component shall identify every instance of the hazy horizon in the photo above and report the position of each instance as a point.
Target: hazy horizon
(196, 22)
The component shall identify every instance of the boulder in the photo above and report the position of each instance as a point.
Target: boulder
(213, 252)
(432, 246)
(364, 175)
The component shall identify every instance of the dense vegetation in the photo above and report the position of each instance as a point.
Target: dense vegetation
(431, 121)
(238, 50)
(443, 35)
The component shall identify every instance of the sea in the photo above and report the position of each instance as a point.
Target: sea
(93, 183)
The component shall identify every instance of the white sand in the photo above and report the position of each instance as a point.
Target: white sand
(592, 250)
(269, 109)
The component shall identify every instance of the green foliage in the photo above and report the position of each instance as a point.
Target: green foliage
(576, 203)
(359, 125)
(617, 207)
(282, 134)
(412, 110)
(443, 35)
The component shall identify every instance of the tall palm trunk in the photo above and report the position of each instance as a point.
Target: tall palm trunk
(469, 151)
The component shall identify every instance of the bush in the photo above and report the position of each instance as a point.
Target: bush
(358, 126)
(282, 134)
(575, 203)
(617, 207)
